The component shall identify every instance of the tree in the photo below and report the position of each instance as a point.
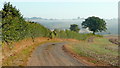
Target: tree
(94, 24)
(52, 35)
(74, 28)
(13, 24)
(9, 10)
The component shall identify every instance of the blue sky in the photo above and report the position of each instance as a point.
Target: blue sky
(67, 10)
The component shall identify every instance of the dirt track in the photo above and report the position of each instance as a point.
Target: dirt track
(52, 54)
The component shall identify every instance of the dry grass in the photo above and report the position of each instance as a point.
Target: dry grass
(19, 54)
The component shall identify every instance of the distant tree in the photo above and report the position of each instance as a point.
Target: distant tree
(74, 28)
(109, 32)
(94, 24)
(56, 31)
(52, 35)
(78, 17)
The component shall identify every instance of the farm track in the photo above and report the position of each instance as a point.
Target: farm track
(52, 54)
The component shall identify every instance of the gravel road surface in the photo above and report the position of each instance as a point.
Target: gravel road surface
(52, 54)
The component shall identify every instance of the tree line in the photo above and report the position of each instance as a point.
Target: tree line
(15, 28)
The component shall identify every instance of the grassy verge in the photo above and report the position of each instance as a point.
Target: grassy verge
(100, 49)
(20, 58)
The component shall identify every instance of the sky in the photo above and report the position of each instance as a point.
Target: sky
(66, 9)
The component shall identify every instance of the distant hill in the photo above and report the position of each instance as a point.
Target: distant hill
(32, 18)
(112, 24)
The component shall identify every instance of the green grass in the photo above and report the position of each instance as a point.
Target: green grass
(101, 49)
(67, 34)
(93, 61)
(102, 40)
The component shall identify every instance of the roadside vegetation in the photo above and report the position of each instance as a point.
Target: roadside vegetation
(15, 28)
(68, 34)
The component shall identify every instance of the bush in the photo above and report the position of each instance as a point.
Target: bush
(67, 34)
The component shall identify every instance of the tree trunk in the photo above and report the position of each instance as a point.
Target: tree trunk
(7, 42)
(94, 32)
(32, 39)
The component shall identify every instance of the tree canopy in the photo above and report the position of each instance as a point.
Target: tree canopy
(74, 27)
(94, 24)
(15, 28)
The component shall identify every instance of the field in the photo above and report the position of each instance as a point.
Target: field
(100, 49)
